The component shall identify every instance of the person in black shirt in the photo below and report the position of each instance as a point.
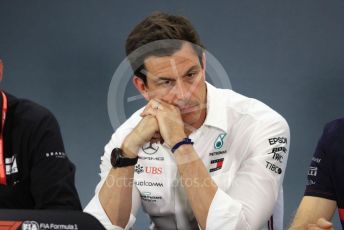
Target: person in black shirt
(325, 187)
(35, 172)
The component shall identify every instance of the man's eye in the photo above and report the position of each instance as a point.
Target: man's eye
(191, 75)
(165, 82)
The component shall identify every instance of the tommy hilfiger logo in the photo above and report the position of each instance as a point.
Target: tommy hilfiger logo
(11, 165)
(218, 164)
(219, 141)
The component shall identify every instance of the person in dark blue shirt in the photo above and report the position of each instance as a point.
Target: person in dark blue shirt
(325, 188)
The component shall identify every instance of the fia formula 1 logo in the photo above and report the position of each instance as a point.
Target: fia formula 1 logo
(30, 225)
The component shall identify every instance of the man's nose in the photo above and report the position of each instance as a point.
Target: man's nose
(181, 90)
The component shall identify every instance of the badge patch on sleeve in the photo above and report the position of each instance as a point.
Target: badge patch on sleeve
(217, 163)
(219, 141)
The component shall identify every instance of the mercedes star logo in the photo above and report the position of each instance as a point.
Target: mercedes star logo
(150, 148)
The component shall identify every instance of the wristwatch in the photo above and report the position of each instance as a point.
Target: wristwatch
(118, 160)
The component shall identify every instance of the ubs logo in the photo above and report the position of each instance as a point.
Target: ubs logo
(139, 169)
(150, 148)
(148, 169)
(153, 170)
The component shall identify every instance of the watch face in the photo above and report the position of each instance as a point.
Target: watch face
(115, 157)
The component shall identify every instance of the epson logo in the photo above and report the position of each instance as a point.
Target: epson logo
(281, 140)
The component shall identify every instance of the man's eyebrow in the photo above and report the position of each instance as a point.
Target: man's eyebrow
(155, 77)
(165, 78)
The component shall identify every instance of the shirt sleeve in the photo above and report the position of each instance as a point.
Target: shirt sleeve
(320, 181)
(250, 200)
(52, 173)
(94, 207)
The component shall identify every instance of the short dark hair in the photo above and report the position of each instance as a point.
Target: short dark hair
(161, 27)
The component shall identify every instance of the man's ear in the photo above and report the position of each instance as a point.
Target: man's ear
(204, 63)
(141, 87)
(1, 70)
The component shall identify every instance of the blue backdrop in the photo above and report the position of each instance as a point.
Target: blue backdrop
(288, 54)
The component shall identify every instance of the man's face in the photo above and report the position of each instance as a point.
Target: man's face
(179, 80)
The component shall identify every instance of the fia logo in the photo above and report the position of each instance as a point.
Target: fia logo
(219, 141)
(30, 225)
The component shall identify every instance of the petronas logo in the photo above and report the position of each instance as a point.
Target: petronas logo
(219, 141)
